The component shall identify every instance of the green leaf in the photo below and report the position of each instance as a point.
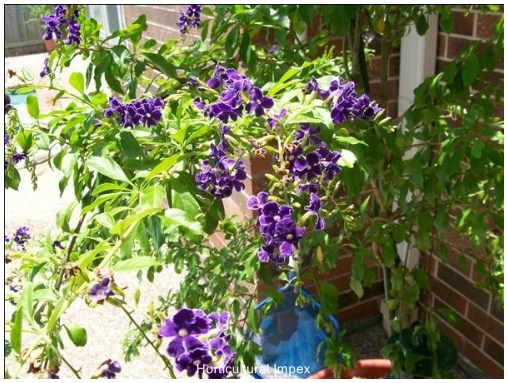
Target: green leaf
(348, 140)
(77, 334)
(164, 166)
(356, 286)
(347, 158)
(151, 197)
(77, 82)
(32, 105)
(26, 300)
(108, 167)
(471, 69)
(112, 80)
(275, 295)
(121, 226)
(136, 263)
(130, 145)
(477, 149)
(25, 140)
(16, 329)
(161, 64)
(422, 25)
(446, 22)
(179, 217)
(449, 315)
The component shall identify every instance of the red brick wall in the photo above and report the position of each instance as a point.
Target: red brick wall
(161, 21)
(479, 336)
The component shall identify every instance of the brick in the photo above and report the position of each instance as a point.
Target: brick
(486, 322)
(495, 311)
(394, 66)
(494, 350)
(361, 310)
(482, 361)
(374, 68)
(465, 287)
(441, 44)
(218, 240)
(350, 298)
(259, 165)
(463, 24)
(459, 262)
(392, 109)
(456, 45)
(452, 298)
(485, 25)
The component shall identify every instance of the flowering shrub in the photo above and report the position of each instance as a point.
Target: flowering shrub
(150, 170)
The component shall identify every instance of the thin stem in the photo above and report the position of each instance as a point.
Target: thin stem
(69, 251)
(74, 371)
(156, 349)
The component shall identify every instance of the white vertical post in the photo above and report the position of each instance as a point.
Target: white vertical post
(417, 62)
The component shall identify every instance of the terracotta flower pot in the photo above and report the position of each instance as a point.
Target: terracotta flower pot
(50, 45)
(364, 368)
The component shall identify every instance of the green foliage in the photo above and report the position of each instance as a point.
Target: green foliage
(139, 207)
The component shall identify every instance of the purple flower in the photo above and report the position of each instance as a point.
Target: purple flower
(273, 49)
(191, 18)
(276, 119)
(309, 188)
(74, 36)
(199, 342)
(21, 236)
(278, 230)
(258, 102)
(307, 135)
(191, 360)
(314, 207)
(6, 139)
(54, 23)
(56, 244)
(111, 368)
(329, 162)
(234, 88)
(225, 175)
(18, 157)
(138, 112)
(6, 238)
(46, 69)
(100, 291)
(183, 328)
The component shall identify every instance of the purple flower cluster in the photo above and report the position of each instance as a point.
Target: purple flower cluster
(21, 236)
(234, 88)
(110, 369)
(278, 230)
(302, 163)
(56, 23)
(346, 105)
(100, 291)
(46, 69)
(16, 157)
(138, 112)
(224, 173)
(191, 18)
(199, 340)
